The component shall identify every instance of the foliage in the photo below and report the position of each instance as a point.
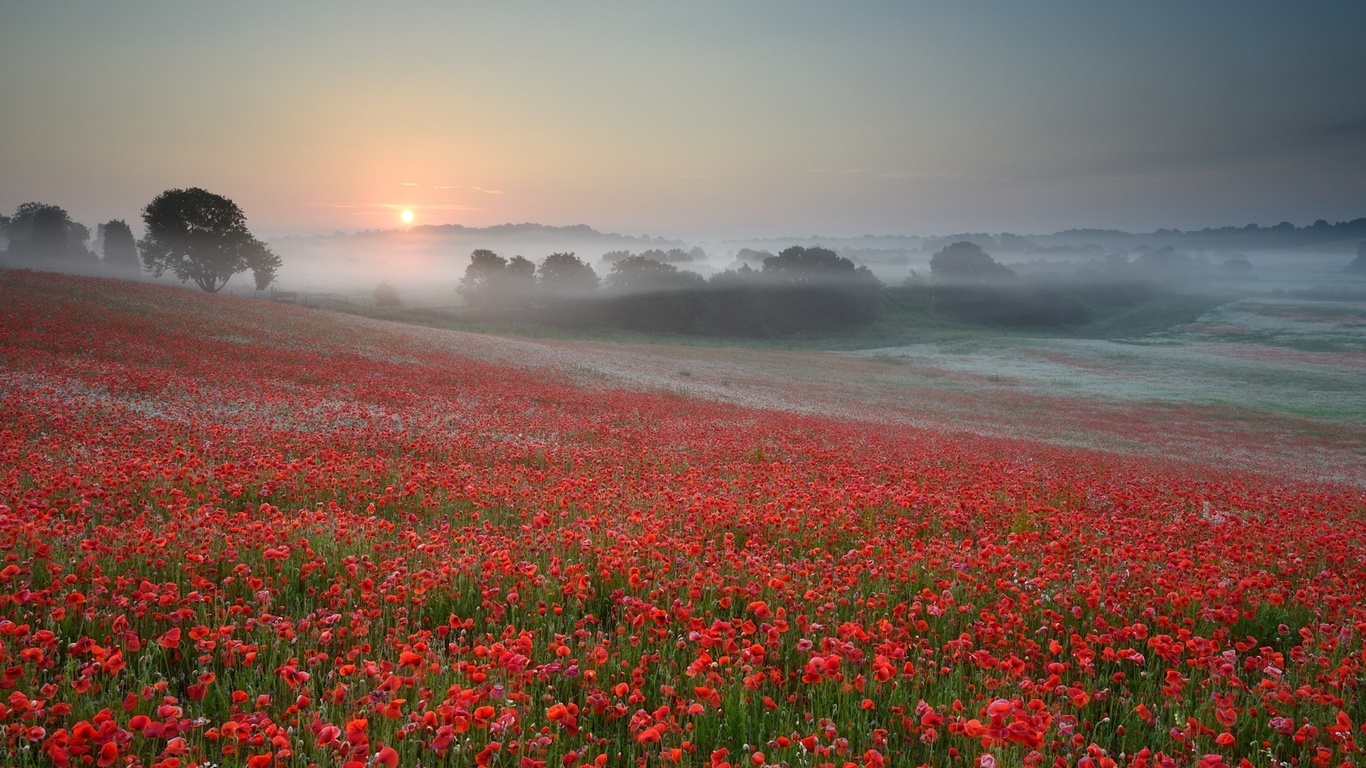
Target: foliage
(564, 275)
(197, 235)
(232, 540)
(120, 251)
(1237, 266)
(808, 289)
(482, 283)
(672, 255)
(1359, 263)
(386, 295)
(44, 236)
(492, 283)
(520, 281)
(806, 266)
(752, 256)
(966, 262)
(675, 255)
(641, 274)
(1166, 260)
(521, 269)
(802, 290)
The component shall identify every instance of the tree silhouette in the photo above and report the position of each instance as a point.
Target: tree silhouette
(44, 236)
(48, 236)
(120, 252)
(197, 235)
(639, 274)
(1359, 263)
(482, 285)
(520, 281)
(386, 295)
(801, 266)
(965, 262)
(563, 275)
(808, 289)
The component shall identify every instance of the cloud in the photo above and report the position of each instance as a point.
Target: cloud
(444, 186)
(487, 191)
(388, 209)
(428, 207)
(839, 171)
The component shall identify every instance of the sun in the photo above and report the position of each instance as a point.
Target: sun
(407, 216)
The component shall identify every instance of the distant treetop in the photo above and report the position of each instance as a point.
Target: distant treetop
(967, 262)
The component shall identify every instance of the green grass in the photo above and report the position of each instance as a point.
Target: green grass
(1148, 317)
(902, 319)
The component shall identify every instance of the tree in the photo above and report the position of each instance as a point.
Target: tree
(800, 266)
(520, 281)
(965, 262)
(44, 236)
(484, 277)
(638, 274)
(49, 233)
(1358, 264)
(386, 295)
(1166, 261)
(673, 255)
(1237, 266)
(564, 275)
(652, 296)
(120, 252)
(197, 235)
(814, 288)
(521, 268)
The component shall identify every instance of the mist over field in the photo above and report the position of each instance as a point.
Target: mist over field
(423, 258)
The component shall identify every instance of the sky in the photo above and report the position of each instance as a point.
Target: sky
(746, 118)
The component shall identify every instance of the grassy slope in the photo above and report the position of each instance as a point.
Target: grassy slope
(899, 322)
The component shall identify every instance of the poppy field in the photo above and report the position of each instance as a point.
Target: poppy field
(243, 534)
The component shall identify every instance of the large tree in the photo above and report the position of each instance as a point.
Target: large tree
(120, 251)
(564, 275)
(44, 236)
(810, 289)
(482, 285)
(197, 235)
(965, 262)
(801, 266)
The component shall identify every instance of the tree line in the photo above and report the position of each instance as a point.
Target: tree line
(201, 237)
(192, 233)
(799, 290)
(813, 289)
